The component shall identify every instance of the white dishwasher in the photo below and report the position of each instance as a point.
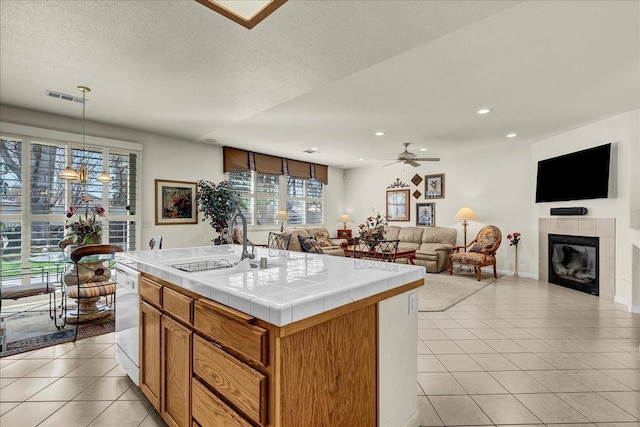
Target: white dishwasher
(127, 320)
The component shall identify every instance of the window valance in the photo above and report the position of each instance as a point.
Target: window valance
(236, 160)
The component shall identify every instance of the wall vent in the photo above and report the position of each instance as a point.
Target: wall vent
(64, 96)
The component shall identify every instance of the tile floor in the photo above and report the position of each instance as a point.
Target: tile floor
(519, 352)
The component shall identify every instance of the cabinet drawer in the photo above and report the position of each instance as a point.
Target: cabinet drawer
(231, 331)
(151, 291)
(209, 410)
(176, 304)
(240, 384)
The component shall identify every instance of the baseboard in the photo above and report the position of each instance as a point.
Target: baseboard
(627, 302)
(510, 273)
(413, 421)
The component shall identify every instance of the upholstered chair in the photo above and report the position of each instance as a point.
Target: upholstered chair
(481, 252)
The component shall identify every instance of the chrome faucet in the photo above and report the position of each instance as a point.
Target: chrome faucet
(245, 254)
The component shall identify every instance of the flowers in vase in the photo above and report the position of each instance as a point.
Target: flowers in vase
(514, 239)
(87, 229)
(373, 227)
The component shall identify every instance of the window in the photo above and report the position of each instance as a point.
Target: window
(35, 198)
(264, 195)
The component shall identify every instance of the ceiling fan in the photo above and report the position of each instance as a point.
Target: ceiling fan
(411, 159)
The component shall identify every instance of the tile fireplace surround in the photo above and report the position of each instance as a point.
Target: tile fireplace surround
(604, 228)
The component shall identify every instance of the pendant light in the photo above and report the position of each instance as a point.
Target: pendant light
(82, 174)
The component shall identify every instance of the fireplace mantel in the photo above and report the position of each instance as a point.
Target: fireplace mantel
(604, 228)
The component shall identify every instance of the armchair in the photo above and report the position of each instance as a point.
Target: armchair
(481, 251)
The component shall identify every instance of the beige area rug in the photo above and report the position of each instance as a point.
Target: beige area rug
(442, 291)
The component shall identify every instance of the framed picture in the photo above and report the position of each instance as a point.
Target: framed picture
(398, 205)
(176, 202)
(426, 214)
(434, 186)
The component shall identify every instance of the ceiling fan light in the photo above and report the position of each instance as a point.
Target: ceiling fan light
(104, 177)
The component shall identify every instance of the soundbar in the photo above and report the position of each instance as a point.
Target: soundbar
(569, 211)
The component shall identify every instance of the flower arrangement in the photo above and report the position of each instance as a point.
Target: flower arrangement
(373, 227)
(87, 229)
(514, 239)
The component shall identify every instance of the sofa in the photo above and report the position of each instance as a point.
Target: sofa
(329, 247)
(432, 244)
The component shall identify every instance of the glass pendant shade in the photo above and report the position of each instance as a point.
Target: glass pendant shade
(104, 177)
(70, 174)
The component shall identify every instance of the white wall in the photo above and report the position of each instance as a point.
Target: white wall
(624, 197)
(165, 157)
(494, 182)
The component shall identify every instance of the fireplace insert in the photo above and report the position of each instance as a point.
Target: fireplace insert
(574, 262)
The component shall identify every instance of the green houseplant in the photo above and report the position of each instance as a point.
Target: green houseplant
(217, 203)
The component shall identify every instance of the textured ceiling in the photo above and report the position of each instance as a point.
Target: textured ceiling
(328, 74)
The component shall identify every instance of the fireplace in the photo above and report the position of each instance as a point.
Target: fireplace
(574, 262)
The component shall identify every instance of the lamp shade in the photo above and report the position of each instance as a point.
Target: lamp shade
(344, 218)
(282, 216)
(465, 214)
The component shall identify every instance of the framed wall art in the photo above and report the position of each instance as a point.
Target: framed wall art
(426, 214)
(176, 202)
(434, 186)
(398, 205)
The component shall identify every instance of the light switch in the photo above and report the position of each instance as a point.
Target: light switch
(412, 302)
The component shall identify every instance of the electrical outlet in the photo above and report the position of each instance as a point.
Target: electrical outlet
(521, 260)
(412, 302)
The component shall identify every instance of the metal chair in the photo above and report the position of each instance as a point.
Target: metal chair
(380, 250)
(278, 241)
(90, 282)
(23, 282)
(155, 241)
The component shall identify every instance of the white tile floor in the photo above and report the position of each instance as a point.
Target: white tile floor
(519, 352)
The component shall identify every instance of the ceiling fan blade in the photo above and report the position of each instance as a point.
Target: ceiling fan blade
(392, 163)
(412, 163)
(427, 159)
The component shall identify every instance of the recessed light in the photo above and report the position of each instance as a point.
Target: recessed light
(314, 148)
(484, 111)
(360, 160)
(423, 149)
(512, 135)
(379, 133)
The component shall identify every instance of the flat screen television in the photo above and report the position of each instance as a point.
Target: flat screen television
(575, 176)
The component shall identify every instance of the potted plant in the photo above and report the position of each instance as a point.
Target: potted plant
(217, 203)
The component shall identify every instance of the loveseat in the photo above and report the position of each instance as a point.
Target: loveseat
(329, 246)
(432, 244)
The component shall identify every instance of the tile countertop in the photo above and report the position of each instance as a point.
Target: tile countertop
(294, 286)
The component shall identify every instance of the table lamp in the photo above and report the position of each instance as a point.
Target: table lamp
(465, 215)
(344, 218)
(282, 217)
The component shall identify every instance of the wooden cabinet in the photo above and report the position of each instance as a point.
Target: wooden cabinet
(206, 364)
(150, 331)
(175, 373)
(166, 356)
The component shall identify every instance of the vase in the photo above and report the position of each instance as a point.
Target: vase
(515, 270)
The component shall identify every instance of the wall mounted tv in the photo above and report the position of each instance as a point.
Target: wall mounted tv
(575, 176)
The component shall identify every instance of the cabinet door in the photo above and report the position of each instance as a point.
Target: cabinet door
(150, 323)
(176, 373)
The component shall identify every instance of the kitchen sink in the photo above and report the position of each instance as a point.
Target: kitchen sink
(209, 265)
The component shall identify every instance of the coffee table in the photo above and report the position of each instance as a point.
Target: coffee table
(409, 254)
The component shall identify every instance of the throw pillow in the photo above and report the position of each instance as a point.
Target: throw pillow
(323, 238)
(309, 245)
(476, 247)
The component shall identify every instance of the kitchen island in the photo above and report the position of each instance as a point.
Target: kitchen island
(305, 340)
